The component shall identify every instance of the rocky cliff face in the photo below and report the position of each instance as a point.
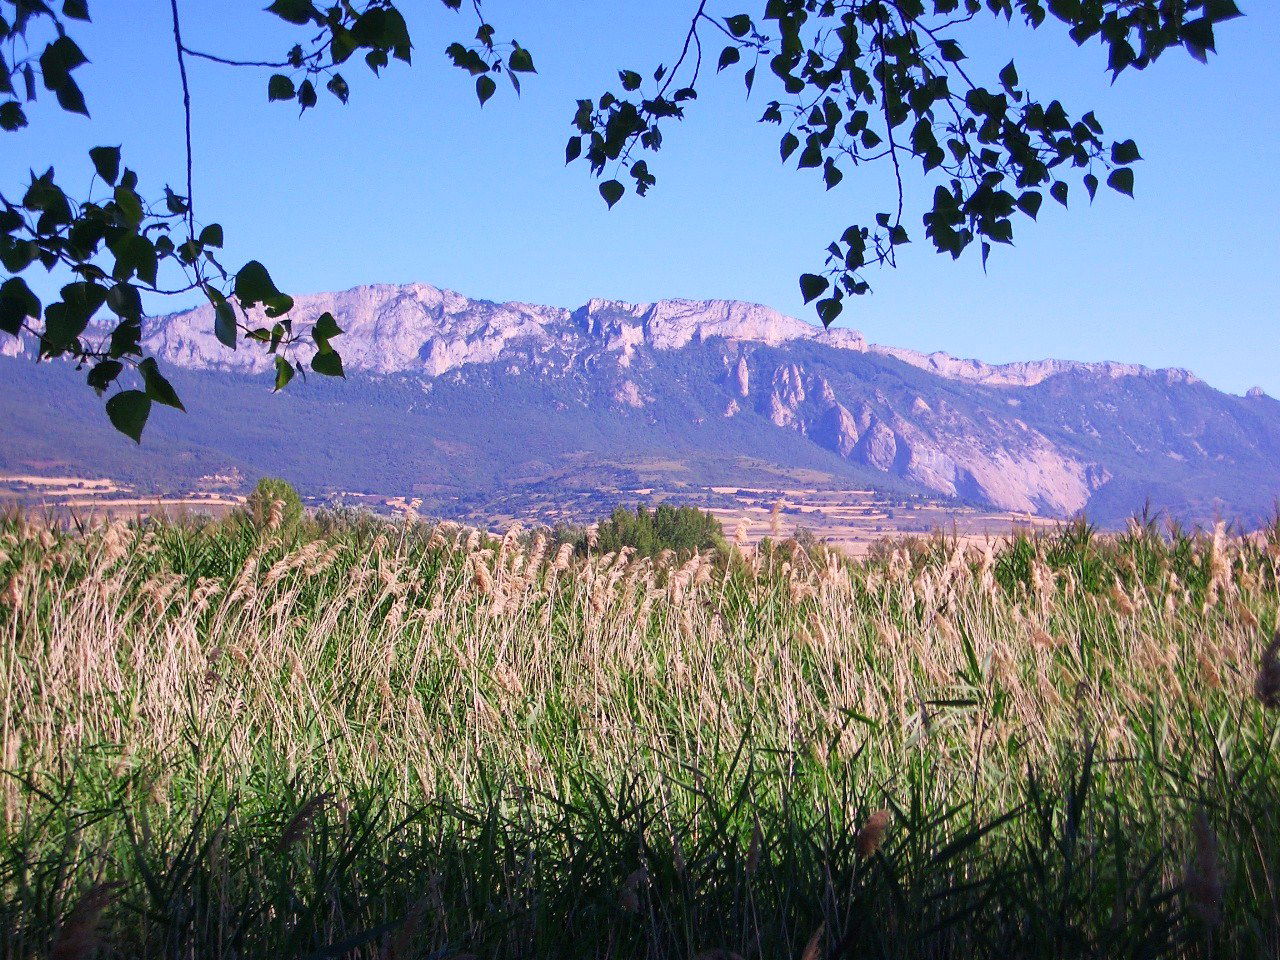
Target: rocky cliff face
(418, 328)
(1051, 437)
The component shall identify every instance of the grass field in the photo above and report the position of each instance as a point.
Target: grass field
(354, 739)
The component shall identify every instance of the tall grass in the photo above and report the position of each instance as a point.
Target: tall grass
(347, 738)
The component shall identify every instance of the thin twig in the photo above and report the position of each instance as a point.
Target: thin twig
(186, 111)
(228, 62)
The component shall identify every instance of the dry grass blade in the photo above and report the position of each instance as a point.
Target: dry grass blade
(813, 949)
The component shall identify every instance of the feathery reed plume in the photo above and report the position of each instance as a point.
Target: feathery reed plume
(813, 949)
(1121, 599)
(562, 558)
(775, 527)
(483, 579)
(77, 938)
(1203, 881)
(872, 833)
(12, 595)
(1246, 616)
(275, 517)
(1043, 639)
(1266, 686)
(300, 821)
(400, 946)
(437, 538)
(632, 887)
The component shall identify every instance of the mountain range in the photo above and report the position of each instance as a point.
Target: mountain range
(455, 399)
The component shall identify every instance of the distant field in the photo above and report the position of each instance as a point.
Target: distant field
(851, 520)
(357, 738)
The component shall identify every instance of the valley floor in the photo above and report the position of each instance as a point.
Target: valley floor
(362, 739)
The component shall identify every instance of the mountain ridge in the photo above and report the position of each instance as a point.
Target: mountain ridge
(725, 381)
(665, 324)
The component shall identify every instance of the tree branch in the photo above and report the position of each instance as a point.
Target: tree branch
(186, 111)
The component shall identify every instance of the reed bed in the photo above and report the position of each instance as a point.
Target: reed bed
(350, 738)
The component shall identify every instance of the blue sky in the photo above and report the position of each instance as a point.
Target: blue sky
(413, 182)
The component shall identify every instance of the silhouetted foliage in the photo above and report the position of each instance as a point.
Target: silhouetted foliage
(858, 82)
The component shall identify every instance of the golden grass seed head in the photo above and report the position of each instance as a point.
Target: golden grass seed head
(872, 833)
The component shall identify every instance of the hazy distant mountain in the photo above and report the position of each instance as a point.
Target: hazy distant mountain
(450, 394)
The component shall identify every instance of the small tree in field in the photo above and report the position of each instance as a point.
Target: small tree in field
(274, 504)
(649, 532)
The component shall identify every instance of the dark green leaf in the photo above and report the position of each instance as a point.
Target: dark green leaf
(520, 61)
(728, 57)
(280, 87)
(224, 324)
(485, 88)
(130, 205)
(1220, 10)
(738, 25)
(328, 362)
(254, 285)
(17, 303)
(338, 87)
(58, 60)
(70, 98)
(306, 95)
(11, 116)
(612, 192)
(1009, 76)
(211, 236)
(300, 12)
(104, 374)
(813, 286)
(790, 143)
(128, 412)
(125, 302)
(284, 373)
(1126, 152)
(829, 310)
(158, 388)
(325, 329)
(1121, 180)
(106, 161)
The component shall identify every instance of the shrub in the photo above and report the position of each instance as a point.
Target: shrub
(649, 532)
(274, 503)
